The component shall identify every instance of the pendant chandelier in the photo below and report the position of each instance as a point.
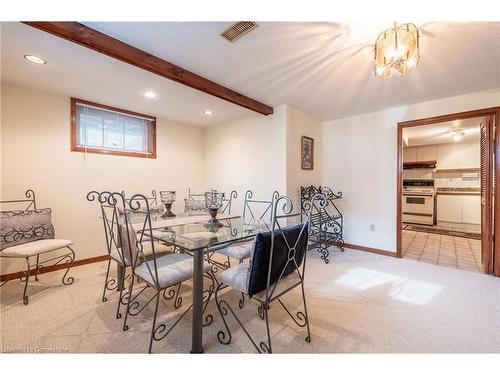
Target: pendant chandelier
(396, 50)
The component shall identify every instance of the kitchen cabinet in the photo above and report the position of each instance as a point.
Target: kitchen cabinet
(471, 209)
(459, 208)
(458, 155)
(449, 208)
(409, 154)
(447, 156)
(419, 153)
(469, 155)
(426, 153)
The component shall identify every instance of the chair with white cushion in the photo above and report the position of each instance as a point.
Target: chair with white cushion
(29, 233)
(158, 273)
(277, 267)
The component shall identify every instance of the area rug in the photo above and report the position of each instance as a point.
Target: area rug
(442, 231)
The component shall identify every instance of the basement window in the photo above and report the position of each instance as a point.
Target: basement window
(101, 129)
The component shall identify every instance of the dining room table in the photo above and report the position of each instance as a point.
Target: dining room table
(196, 236)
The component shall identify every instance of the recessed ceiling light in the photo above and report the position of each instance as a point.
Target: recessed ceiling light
(150, 94)
(35, 59)
(208, 112)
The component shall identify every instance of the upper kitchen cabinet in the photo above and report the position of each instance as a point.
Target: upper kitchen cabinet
(447, 156)
(426, 153)
(469, 155)
(419, 153)
(459, 155)
(409, 154)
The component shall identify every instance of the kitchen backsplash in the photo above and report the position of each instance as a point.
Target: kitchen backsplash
(446, 179)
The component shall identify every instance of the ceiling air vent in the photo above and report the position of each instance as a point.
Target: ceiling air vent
(238, 29)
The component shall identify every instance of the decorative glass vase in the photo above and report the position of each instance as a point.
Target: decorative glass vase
(213, 201)
(167, 198)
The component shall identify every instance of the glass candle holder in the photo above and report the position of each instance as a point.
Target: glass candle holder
(213, 201)
(167, 198)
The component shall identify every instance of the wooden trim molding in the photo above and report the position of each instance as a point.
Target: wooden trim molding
(372, 250)
(492, 113)
(85, 36)
(55, 267)
(74, 131)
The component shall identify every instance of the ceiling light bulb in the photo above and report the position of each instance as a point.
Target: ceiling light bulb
(458, 134)
(208, 112)
(150, 94)
(35, 59)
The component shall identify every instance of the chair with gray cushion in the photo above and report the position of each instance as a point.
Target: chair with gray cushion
(276, 268)
(29, 233)
(159, 273)
(254, 211)
(110, 219)
(112, 215)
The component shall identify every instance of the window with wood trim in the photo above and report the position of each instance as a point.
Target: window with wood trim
(101, 129)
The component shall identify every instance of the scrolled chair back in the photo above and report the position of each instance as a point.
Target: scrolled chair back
(109, 205)
(255, 210)
(281, 252)
(153, 199)
(137, 235)
(227, 202)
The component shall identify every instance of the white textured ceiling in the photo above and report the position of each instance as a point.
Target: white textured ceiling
(442, 132)
(324, 69)
(79, 72)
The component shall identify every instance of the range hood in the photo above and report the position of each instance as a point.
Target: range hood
(429, 164)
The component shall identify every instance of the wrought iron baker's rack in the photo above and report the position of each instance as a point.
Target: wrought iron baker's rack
(327, 223)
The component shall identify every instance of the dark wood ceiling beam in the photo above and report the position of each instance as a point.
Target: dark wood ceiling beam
(97, 41)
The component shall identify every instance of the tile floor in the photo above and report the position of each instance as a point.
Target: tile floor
(447, 251)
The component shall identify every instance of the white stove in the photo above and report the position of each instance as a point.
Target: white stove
(418, 203)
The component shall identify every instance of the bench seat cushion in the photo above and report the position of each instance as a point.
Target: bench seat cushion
(34, 248)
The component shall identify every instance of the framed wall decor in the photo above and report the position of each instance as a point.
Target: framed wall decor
(307, 152)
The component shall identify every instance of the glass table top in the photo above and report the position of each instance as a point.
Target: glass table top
(201, 235)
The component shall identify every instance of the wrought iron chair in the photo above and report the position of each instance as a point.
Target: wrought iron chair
(277, 267)
(110, 218)
(29, 233)
(112, 215)
(253, 211)
(227, 202)
(159, 273)
(153, 199)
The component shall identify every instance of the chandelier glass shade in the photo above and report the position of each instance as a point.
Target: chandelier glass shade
(396, 50)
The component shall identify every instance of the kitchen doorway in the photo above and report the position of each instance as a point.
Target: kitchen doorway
(446, 188)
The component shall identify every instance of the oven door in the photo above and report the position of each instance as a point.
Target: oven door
(418, 204)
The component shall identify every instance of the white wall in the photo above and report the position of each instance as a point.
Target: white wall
(360, 156)
(263, 154)
(35, 151)
(248, 153)
(298, 124)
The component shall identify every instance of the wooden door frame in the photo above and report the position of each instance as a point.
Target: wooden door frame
(493, 112)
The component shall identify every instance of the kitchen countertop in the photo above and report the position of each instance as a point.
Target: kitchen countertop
(458, 191)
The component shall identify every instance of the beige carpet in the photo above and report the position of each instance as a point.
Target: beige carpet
(359, 303)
